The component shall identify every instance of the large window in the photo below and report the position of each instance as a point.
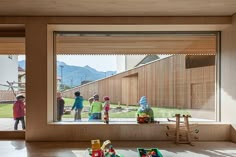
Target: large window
(176, 73)
(12, 85)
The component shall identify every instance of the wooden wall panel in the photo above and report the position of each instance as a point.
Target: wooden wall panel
(165, 82)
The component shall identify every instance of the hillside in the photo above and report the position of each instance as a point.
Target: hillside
(74, 75)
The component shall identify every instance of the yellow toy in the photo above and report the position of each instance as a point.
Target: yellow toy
(95, 144)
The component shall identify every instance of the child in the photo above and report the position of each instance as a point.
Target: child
(19, 111)
(106, 109)
(144, 113)
(96, 108)
(91, 99)
(78, 105)
(60, 106)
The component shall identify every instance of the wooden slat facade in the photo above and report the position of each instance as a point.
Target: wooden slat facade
(166, 83)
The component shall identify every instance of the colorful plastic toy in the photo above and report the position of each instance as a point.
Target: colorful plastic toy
(106, 117)
(153, 152)
(143, 118)
(96, 149)
(103, 151)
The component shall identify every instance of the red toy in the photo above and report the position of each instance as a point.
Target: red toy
(97, 153)
(112, 151)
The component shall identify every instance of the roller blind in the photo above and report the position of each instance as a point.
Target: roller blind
(12, 45)
(120, 45)
(136, 45)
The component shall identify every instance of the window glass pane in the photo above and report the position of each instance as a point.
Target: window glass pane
(12, 86)
(152, 85)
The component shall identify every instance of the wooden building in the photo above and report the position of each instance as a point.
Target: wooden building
(168, 82)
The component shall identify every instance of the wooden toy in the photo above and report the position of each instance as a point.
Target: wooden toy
(182, 132)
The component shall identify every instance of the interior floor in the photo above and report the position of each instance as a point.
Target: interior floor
(128, 149)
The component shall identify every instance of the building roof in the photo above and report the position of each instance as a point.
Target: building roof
(21, 69)
(147, 59)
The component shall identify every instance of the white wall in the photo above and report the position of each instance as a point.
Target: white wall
(127, 62)
(120, 63)
(8, 70)
(228, 74)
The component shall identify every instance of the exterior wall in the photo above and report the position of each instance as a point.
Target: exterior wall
(166, 83)
(133, 60)
(120, 63)
(127, 62)
(228, 74)
(7, 95)
(8, 70)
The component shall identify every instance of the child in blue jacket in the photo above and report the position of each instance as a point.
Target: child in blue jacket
(78, 105)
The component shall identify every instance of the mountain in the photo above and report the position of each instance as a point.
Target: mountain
(21, 64)
(74, 75)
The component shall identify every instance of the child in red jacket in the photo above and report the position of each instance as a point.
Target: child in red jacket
(19, 111)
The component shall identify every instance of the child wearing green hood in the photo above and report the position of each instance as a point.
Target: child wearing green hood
(145, 112)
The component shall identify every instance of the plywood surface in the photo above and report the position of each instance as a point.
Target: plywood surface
(117, 8)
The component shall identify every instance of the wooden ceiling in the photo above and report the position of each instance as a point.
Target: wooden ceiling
(117, 7)
(170, 44)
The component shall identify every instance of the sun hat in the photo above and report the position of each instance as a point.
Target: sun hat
(18, 96)
(106, 98)
(96, 96)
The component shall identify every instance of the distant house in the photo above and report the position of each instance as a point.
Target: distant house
(21, 78)
(127, 62)
(147, 59)
(58, 83)
(8, 70)
(85, 82)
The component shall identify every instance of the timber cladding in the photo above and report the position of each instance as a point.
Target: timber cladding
(165, 82)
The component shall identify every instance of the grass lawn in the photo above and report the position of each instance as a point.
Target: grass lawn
(6, 111)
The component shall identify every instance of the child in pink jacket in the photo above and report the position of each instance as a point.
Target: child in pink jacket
(19, 111)
(106, 109)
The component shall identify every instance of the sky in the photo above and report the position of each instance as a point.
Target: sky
(98, 62)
